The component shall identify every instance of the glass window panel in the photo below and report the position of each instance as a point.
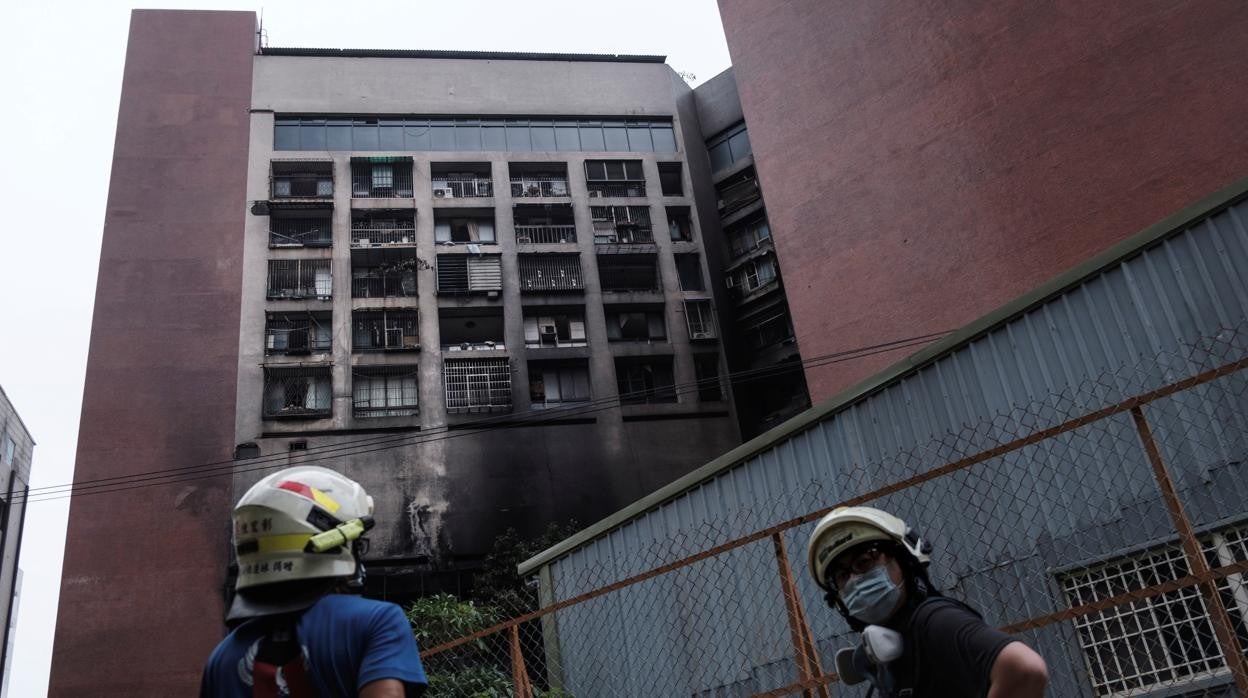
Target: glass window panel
(468, 136)
(493, 136)
(632, 169)
(615, 169)
(518, 136)
(721, 156)
(639, 139)
(286, 137)
(543, 133)
(566, 137)
(664, 138)
(416, 134)
(740, 144)
(595, 170)
(312, 135)
(616, 137)
(442, 231)
(591, 137)
(391, 135)
(441, 135)
(338, 135)
(364, 134)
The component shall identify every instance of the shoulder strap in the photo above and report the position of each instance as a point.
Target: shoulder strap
(281, 653)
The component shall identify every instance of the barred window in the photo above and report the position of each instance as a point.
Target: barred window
(385, 392)
(642, 380)
(1163, 639)
(385, 330)
(621, 224)
(297, 393)
(297, 333)
(550, 273)
(299, 278)
(700, 319)
(469, 273)
(478, 385)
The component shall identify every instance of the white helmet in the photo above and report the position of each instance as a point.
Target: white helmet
(277, 520)
(847, 527)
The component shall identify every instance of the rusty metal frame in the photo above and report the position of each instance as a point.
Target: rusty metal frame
(810, 678)
(519, 674)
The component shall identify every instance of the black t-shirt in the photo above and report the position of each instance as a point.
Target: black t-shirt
(951, 649)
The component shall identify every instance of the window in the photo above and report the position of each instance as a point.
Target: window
(461, 180)
(753, 275)
(768, 331)
(552, 327)
(628, 324)
(628, 272)
(9, 448)
(749, 236)
(544, 223)
(300, 228)
(550, 273)
(389, 391)
(738, 192)
(478, 385)
(670, 180)
(679, 223)
(728, 147)
(386, 277)
(381, 177)
(689, 268)
(302, 180)
(647, 380)
(471, 329)
(382, 227)
(458, 273)
(535, 180)
(706, 372)
(621, 224)
(614, 178)
(297, 393)
(299, 278)
(297, 333)
(700, 319)
(389, 330)
(1162, 639)
(465, 133)
(557, 383)
(464, 230)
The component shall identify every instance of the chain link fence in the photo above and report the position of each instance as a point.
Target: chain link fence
(1105, 526)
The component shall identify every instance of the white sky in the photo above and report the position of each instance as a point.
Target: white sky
(62, 65)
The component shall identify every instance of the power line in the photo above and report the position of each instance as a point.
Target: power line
(471, 428)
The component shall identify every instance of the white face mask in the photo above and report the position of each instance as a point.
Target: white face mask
(871, 597)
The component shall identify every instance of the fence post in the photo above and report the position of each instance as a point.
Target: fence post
(1222, 627)
(804, 652)
(550, 628)
(519, 674)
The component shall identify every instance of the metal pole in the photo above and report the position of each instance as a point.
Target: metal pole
(804, 652)
(1222, 627)
(519, 674)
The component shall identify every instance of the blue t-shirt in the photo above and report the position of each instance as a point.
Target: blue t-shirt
(348, 643)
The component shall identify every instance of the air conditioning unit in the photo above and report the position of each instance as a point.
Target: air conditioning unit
(443, 193)
(704, 334)
(548, 332)
(522, 239)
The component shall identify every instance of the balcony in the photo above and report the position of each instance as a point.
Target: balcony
(464, 329)
(389, 391)
(628, 272)
(297, 393)
(297, 334)
(301, 228)
(553, 383)
(375, 275)
(296, 279)
(462, 187)
(635, 323)
(544, 224)
(383, 228)
(621, 225)
(547, 327)
(540, 186)
(645, 380)
(381, 178)
(385, 331)
(614, 178)
(550, 273)
(300, 179)
(738, 192)
(467, 226)
(478, 385)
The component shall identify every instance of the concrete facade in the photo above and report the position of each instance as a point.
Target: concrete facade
(923, 163)
(16, 452)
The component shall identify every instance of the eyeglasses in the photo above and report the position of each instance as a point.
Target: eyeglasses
(858, 561)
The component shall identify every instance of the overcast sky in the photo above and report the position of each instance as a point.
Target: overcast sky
(62, 79)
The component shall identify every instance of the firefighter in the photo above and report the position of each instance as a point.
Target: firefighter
(297, 537)
(916, 642)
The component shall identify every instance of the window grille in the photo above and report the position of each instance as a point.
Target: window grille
(386, 280)
(297, 393)
(538, 185)
(544, 223)
(299, 278)
(555, 330)
(378, 228)
(621, 224)
(553, 383)
(628, 272)
(1159, 640)
(464, 185)
(381, 178)
(478, 385)
(615, 178)
(297, 333)
(749, 236)
(385, 392)
(700, 319)
(385, 331)
(306, 230)
(738, 192)
(645, 380)
(754, 274)
(550, 273)
(459, 273)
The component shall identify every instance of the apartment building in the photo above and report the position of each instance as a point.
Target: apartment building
(16, 451)
(478, 283)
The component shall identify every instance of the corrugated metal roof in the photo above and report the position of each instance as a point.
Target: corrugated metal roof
(469, 55)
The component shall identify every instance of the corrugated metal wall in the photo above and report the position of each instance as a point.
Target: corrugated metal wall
(1004, 530)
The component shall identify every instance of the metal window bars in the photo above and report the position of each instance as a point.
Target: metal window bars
(545, 234)
(389, 391)
(621, 224)
(297, 333)
(614, 178)
(387, 330)
(460, 273)
(294, 279)
(477, 385)
(539, 186)
(301, 393)
(306, 229)
(383, 228)
(628, 272)
(385, 280)
(461, 186)
(550, 273)
(385, 178)
(737, 193)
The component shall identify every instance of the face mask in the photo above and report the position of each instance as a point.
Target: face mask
(871, 597)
